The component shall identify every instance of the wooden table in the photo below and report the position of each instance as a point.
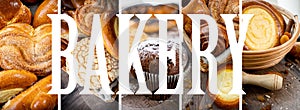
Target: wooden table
(286, 98)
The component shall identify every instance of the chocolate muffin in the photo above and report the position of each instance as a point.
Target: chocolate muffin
(149, 56)
(148, 52)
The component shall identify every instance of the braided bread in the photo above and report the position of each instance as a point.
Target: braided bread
(25, 48)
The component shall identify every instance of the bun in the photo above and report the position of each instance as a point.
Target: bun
(34, 98)
(13, 11)
(40, 16)
(24, 48)
(152, 24)
(14, 81)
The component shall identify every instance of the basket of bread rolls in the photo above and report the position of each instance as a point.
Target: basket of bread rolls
(271, 34)
(26, 55)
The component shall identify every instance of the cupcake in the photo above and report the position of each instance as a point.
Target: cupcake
(149, 56)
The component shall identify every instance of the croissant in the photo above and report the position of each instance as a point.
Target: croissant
(222, 44)
(13, 11)
(210, 7)
(193, 7)
(24, 48)
(152, 23)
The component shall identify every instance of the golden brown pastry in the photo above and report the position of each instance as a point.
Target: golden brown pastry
(34, 98)
(109, 22)
(222, 44)
(110, 31)
(265, 27)
(211, 7)
(13, 11)
(152, 24)
(77, 3)
(14, 81)
(40, 16)
(232, 7)
(25, 48)
(223, 99)
(84, 17)
(217, 7)
(196, 7)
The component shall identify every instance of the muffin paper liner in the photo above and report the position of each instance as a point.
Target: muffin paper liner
(152, 82)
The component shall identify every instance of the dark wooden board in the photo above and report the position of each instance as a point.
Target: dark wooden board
(287, 98)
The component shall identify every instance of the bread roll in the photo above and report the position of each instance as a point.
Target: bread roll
(34, 98)
(14, 81)
(40, 16)
(13, 11)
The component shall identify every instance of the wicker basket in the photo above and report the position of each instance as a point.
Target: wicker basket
(266, 58)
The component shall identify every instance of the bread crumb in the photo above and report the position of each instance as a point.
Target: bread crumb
(260, 98)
